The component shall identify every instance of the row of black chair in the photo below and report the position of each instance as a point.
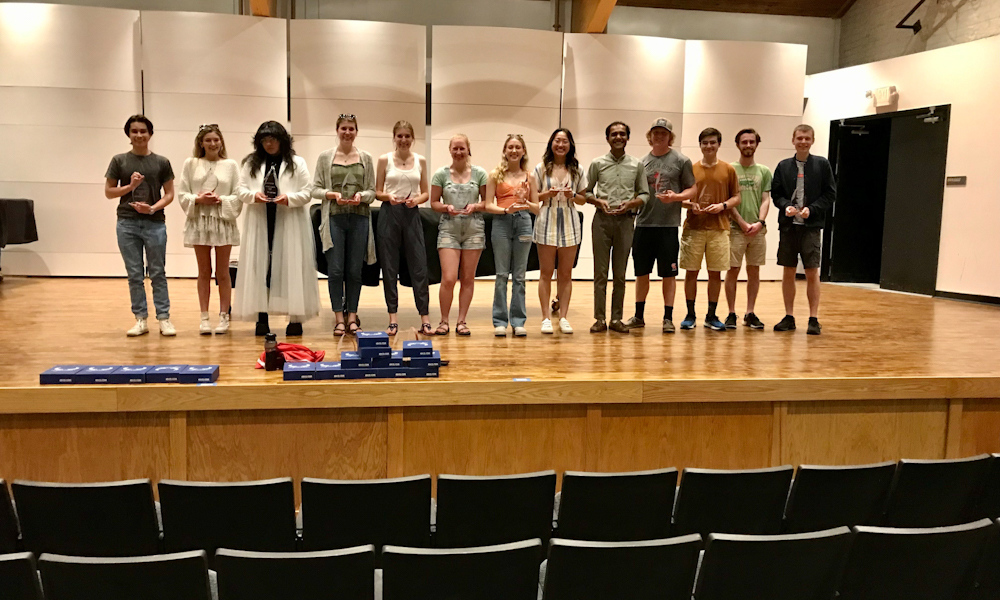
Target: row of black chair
(119, 519)
(950, 563)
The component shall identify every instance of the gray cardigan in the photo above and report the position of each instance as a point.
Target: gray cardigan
(321, 185)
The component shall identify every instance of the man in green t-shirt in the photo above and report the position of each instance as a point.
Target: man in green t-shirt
(746, 235)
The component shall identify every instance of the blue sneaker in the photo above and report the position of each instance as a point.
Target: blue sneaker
(688, 322)
(714, 323)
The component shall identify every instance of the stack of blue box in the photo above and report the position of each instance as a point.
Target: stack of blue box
(118, 374)
(374, 359)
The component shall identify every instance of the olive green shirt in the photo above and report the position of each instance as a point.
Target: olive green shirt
(617, 180)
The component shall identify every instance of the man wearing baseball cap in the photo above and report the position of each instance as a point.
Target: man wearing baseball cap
(671, 181)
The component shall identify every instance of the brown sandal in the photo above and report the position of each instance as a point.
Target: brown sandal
(462, 329)
(392, 329)
(442, 329)
(425, 329)
(339, 329)
(353, 328)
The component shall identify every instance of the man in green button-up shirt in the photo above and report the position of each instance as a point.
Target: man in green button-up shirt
(616, 185)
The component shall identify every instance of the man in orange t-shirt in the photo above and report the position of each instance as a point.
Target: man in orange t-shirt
(706, 229)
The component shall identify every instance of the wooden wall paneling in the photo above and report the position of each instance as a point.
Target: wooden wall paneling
(178, 445)
(733, 435)
(394, 440)
(84, 447)
(495, 440)
(248, 445)
(980, 426)
(953, 435)
(856, 432)
(592, 458)
(779, 412)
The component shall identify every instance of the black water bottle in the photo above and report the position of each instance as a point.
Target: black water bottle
(274, 360)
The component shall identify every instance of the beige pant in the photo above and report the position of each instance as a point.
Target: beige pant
(712, 244)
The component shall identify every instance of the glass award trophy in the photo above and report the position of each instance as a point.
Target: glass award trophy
(270, 187)
(211, 182)
(143, 194)
(349, 184)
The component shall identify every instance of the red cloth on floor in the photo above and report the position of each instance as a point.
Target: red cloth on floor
(295, 353)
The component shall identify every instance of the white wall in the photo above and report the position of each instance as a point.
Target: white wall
(820, 35)
(967, 76)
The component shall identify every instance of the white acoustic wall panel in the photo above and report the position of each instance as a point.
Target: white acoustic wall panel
(375, 71)
(198, 68)
(69, 80)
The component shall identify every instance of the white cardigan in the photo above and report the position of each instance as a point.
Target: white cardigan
(294, 287)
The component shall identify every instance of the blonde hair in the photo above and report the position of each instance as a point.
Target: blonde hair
(465, 138)
(805, 128)
(199, 150)
(403, 125)
(500, 172)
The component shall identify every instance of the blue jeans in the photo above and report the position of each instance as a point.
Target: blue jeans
(511, 237)
(344, 260)
(134, 236)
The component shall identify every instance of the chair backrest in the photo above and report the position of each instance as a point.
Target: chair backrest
(936, 493)
(18, 577)
(480, 511)
(990, 507)
(252, 515)
(987, 585)
(181, 576)
(914, 564)
(88, 519)
(777, 567)
(347, 574)
(750, 501)
(643, 570)
(507, 571)
(9, 531)
(344, 514)
(824, 497)
(616, 507)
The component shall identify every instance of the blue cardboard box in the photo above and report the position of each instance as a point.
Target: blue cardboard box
(199, 374)
(390, 373)
(330, 370)
(366, 373)
(353, 360)
(394, 361)
(422, 371)
(374, 353)
(59, 374)
(372, 339)
(412, 348)
(94, 374)
(299, 371)
(165, 373)
(130, 374)
(434, 360)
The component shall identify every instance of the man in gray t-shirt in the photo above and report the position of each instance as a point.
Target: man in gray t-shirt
(144, 184)
(671, 180)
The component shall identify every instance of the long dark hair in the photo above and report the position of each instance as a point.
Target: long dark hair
(572, 164)
(259, 155)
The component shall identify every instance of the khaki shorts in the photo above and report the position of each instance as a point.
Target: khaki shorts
(754, 248)
(713, 244)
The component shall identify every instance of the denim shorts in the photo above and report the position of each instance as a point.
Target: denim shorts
(462, 233)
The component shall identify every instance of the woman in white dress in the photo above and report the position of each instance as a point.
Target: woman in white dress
(207, 192)
(277, 266)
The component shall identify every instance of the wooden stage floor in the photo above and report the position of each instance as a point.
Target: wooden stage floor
(866, 333)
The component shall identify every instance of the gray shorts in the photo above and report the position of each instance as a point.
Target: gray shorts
(462, 233)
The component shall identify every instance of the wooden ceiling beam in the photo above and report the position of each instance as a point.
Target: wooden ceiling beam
(591, 16)
(263, 8)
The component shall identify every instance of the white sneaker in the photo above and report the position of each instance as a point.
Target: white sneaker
(206, 326)
(500, 331)
(223, 326)
(520, 332)
(546, 325)
(138, 329)
(564, 326)
(167, 328)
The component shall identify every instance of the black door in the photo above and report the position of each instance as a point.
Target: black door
(914, 199)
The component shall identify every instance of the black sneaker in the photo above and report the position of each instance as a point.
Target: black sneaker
(731, 321)
(814, 326)
(786, 324)
(751, 321)
(262, 326)
(293, 330)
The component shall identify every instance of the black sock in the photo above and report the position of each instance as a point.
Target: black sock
(640, 310)
(813, 320)
(711, 309)
(262, 318)
(668, 313)
(690, 304)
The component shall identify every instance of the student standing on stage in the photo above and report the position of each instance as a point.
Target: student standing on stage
(277, 266)
(803, 190)
(706, 229)
(458, 192)
(746, 235)
(511, 195)
(401, 186)
(616, 185)
(144, 183)
(345, 182)
(670, 178)
(558, 231)
(208, 194)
